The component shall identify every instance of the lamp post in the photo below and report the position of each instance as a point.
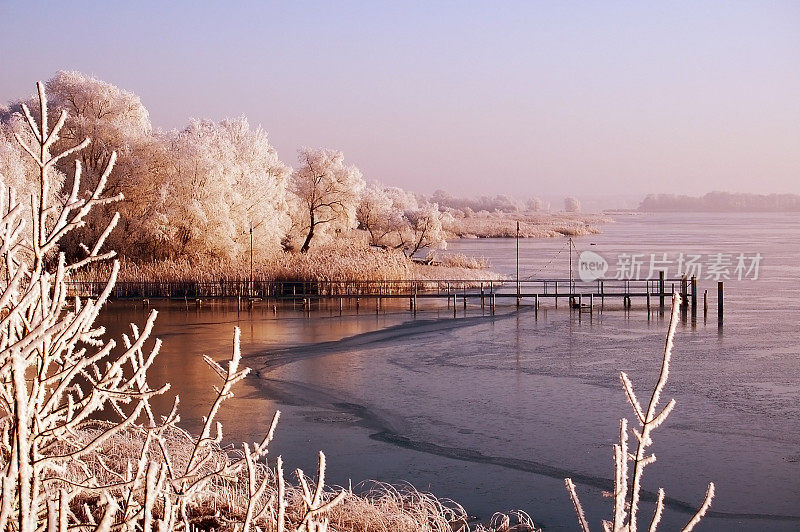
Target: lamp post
(251, 260)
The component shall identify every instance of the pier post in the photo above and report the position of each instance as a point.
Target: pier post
(684, 301)
(661, 290)
(719, 300)
(591, 302)
(481, 296)
(694, 295)
(556, 293)
(648, 298)
(705, 302)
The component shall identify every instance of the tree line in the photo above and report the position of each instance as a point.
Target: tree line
(201, 192)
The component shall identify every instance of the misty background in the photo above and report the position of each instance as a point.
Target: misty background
(605, 101)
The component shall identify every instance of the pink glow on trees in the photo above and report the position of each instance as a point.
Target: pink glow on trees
(327, 193)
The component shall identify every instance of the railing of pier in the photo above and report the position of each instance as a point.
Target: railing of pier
(380, 288)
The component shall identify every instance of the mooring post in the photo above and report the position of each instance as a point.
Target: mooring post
(719, 300)
(694, 295)
(684, 301)
(481, 296)
(465, 300)
(648, 298)
(661, 290)
(705, 302)
(591, 302)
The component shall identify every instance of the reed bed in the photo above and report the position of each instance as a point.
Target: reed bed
(329, 263)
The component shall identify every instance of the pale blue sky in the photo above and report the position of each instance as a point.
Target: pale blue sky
(522, 98)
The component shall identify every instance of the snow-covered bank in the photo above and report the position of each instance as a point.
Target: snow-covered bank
(531, 225)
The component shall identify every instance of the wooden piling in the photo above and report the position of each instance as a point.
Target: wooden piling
(719, 300)
(661, 290)
(684, 291)
(694, 295)
(705, 302)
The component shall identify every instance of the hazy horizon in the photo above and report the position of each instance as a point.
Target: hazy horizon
(541, 99)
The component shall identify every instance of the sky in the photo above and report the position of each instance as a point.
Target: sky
(477, 98)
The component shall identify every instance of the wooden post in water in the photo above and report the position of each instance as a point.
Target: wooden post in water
(684, 301)
(694, 295)
(481, 296)
(705, 302)
(661, 290)
(556, 293)
(719, 301)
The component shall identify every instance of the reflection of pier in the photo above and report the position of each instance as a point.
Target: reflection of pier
(580, 295)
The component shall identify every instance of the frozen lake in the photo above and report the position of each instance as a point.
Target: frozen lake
(494, 411)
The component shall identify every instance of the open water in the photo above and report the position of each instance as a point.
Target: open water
(494, 411)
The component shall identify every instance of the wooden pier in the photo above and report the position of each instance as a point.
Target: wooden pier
(584, 296)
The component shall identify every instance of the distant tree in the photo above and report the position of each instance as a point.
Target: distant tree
(397, 219)
(571, 204)
(424, 229)
(534, 205)
(374, 213)
(327, 192)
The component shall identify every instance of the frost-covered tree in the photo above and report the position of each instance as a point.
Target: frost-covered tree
(374, 213)
(629, 464)
(187, 194)
(572, 204)
(534, 205)
(397, 219)
(327, 193)
(61, 468)
(221, 180)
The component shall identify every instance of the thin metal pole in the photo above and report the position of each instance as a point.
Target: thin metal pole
(251, 259)
(517, 263)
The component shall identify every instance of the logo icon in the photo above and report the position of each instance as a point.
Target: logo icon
(591, 266)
